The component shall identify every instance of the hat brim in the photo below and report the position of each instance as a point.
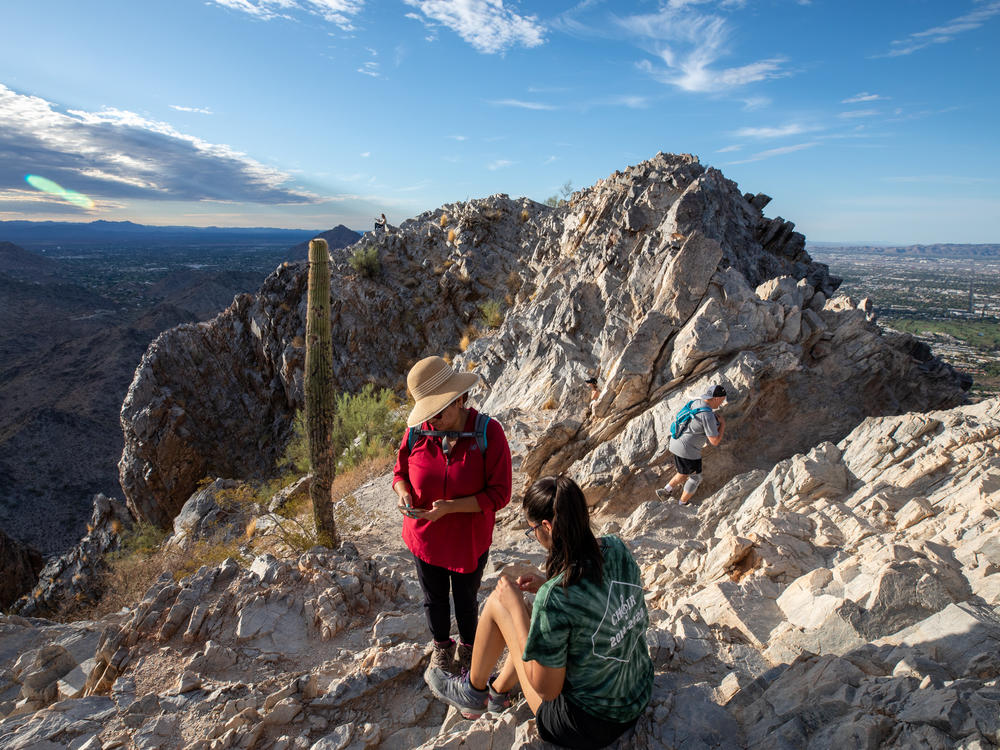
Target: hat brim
(427, 407)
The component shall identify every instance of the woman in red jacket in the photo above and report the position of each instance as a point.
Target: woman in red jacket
(450, 484)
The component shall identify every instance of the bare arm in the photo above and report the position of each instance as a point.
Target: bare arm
(715, 440)
(467, 504)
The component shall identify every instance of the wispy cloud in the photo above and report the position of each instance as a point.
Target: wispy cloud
(945, 33)
(339, 12)
(195, 110)
(370, 68)
(116, 154)
(549, 160)
(690, 45)
(864, 96)
(857, 113)
(781, 131)
(485, 24)
(499, 164)
(727, 149)
(459, 137)
(365, 154)
(761, 155)
(523, 104)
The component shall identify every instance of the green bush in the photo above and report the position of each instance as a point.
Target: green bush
(491, 312)
(367, 425)
(142, 539)
(365, 261)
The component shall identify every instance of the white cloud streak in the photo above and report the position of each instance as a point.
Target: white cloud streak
(118, 154)
(485, 24)
(761, 155)
(781, 131)
(520, 104)
(689, 46)
(945, 33)
(338, 12)
(864, 96)
(194, 110)
(499, 164)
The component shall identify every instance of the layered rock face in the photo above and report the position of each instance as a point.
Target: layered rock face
(217, 398)
(659, 280)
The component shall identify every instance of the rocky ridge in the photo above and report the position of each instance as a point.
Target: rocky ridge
(839, 586)
(848, 597)
(657, 279)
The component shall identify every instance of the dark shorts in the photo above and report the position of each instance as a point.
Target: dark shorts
(562, 723)
(687, 465)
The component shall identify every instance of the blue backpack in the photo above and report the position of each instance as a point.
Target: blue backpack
(479, 433)
(684, 417)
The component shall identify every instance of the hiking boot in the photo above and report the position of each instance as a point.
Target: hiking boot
(499, 702)
(442, 656)
(664, 493)
(464, 656)
(457, 691)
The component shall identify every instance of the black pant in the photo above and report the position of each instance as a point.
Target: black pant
(435, 581)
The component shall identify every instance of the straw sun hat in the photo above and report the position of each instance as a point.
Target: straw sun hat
(434, 384)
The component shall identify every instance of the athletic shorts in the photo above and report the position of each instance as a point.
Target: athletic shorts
(562, 723)
(687, 465)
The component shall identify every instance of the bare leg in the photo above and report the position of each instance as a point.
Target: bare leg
(498, 628)
(678, 480)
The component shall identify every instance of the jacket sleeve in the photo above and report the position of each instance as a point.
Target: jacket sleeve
(402, 468)
(496, 494)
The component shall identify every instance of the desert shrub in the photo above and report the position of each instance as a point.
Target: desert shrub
(367, 425)
(514, 282)
(470, 335)
(550, 404)
(444, 220)
(525, 215)
(491, 313)
(365, 261)
(451, 235)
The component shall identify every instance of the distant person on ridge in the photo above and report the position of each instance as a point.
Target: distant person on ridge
(452, 475)
(695, 424)
(380, 224)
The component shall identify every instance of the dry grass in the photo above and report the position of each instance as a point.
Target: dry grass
(525, 215)
(451, 235)
(444, 220)
(470, 335)
(298, 342)
(550, 404)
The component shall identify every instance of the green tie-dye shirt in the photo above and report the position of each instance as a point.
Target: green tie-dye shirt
(598, 632)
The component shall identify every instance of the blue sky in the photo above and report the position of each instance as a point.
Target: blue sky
(865, 121)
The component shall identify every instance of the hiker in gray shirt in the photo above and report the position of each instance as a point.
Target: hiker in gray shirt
(702, 425)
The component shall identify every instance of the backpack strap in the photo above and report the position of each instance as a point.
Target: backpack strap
(479, 433)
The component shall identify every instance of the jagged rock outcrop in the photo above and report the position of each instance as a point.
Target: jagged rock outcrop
(75, 577)
(657, 279)
(20, 565)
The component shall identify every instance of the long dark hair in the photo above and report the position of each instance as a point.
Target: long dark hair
(575, 552)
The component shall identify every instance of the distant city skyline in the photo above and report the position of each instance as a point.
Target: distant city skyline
(866, 122)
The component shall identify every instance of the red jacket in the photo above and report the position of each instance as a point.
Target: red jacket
(455, 541)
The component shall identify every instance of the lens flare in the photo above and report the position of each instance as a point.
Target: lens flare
(48, 186)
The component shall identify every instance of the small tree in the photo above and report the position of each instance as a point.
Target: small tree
(320, 400)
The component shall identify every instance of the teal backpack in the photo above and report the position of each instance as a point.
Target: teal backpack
(478, 432)
(684, 417)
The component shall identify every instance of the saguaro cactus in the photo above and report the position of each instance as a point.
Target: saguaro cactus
(319, 393)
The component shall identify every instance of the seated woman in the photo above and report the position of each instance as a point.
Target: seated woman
(580, 654)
